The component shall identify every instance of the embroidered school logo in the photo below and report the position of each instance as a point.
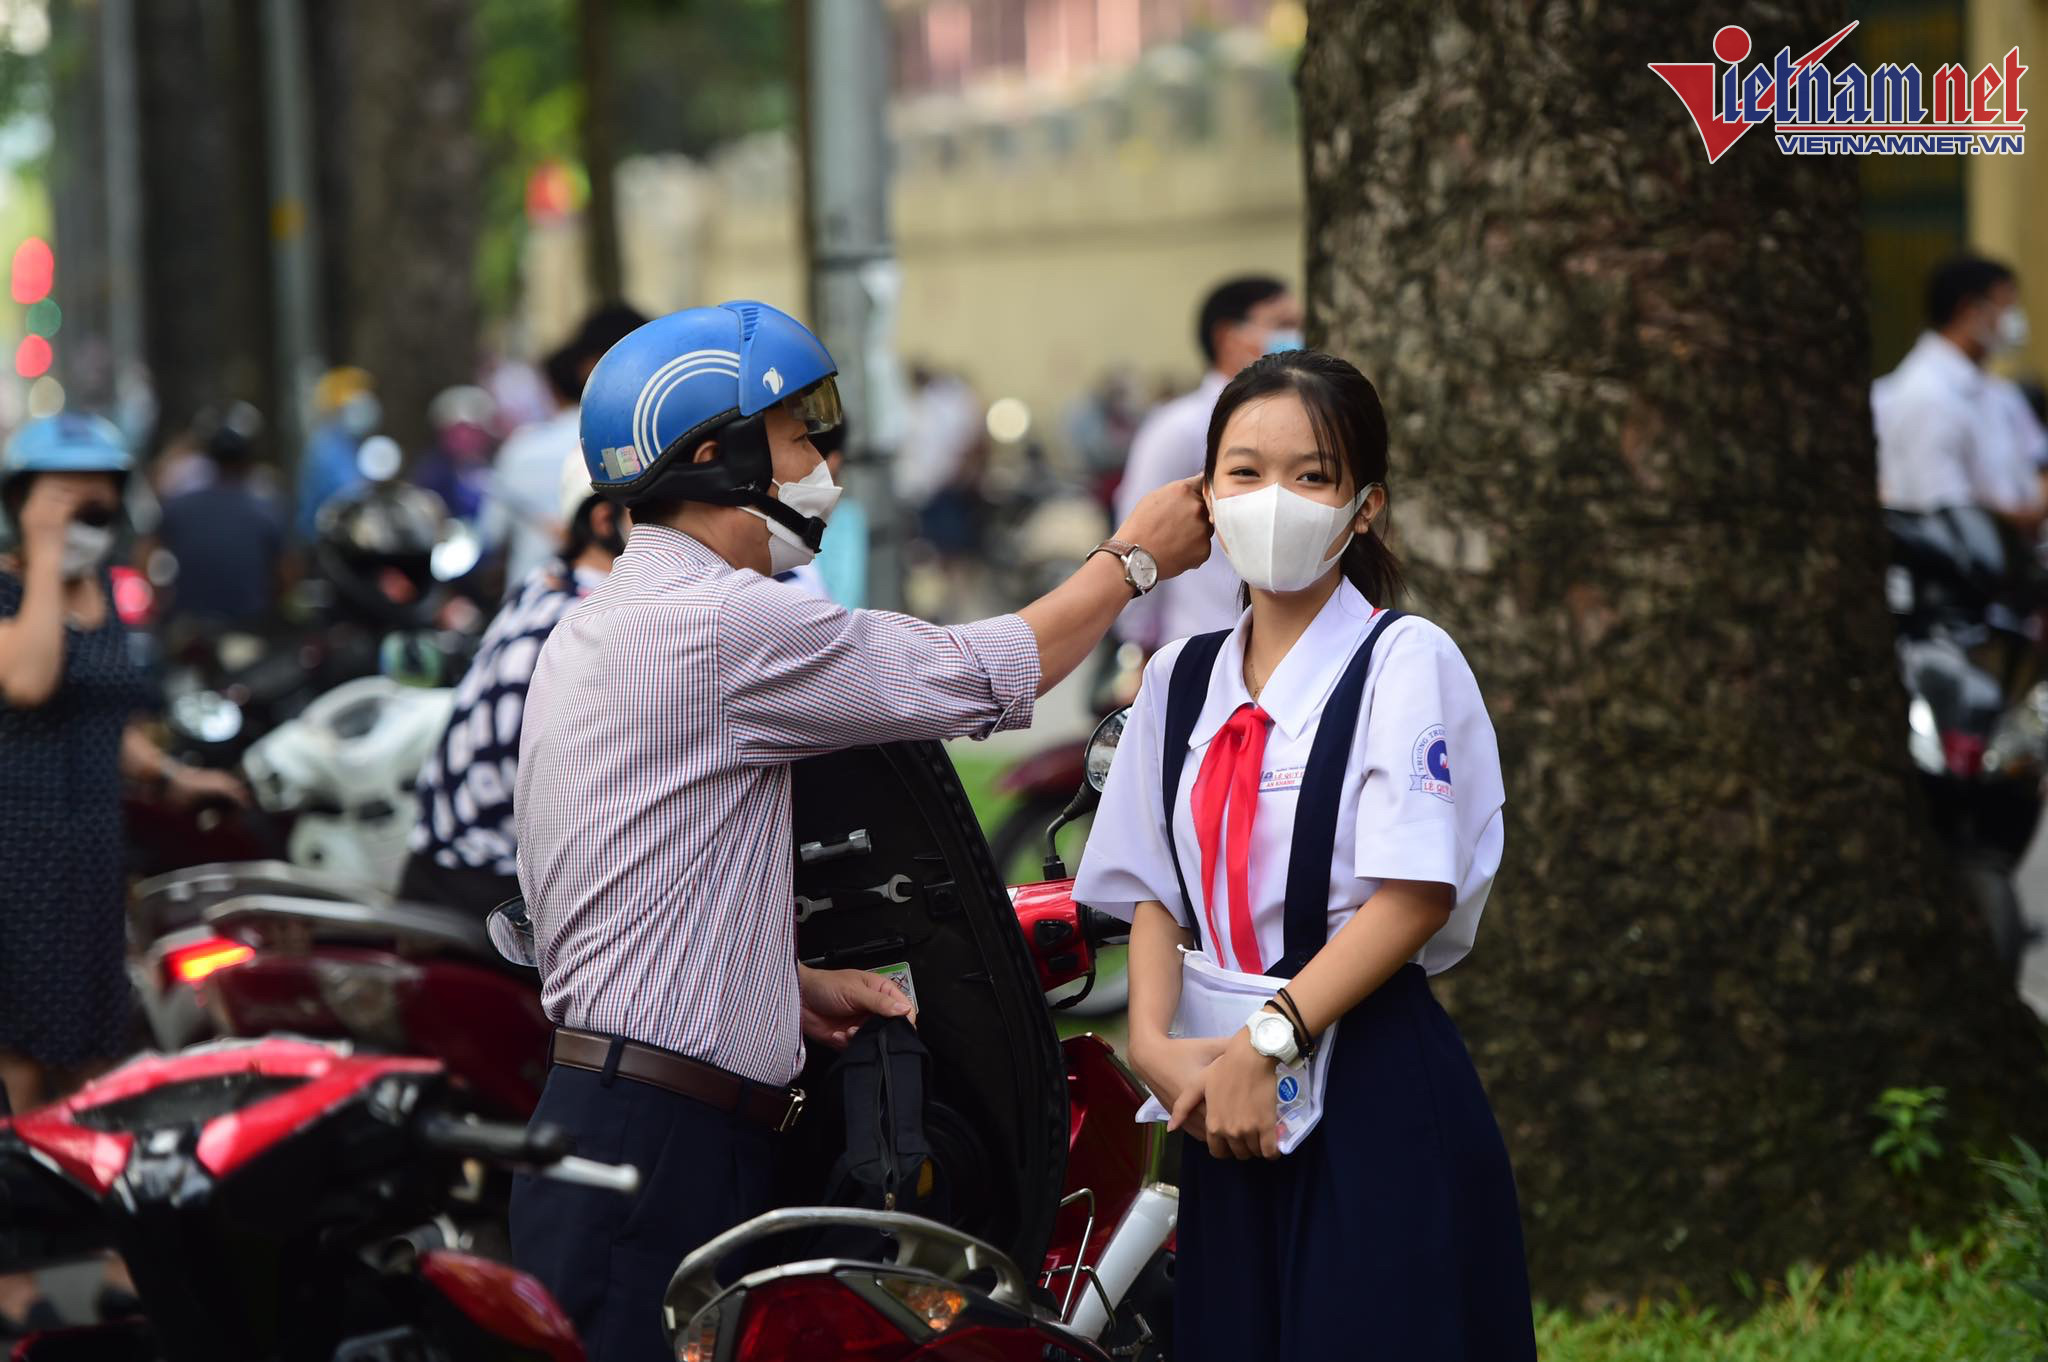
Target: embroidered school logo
(1819, 112)
(1432, 764)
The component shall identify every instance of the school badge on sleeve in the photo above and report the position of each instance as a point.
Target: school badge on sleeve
(1432, 764)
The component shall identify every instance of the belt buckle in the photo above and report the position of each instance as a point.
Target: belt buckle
(795, 1110)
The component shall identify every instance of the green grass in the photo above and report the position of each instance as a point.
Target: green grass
(1957, 1302)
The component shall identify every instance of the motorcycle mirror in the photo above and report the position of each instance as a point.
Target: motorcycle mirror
(1102, 748)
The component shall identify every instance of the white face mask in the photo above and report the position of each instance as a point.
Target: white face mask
(2011, 331)
(85, 548)
(1276, 539)
(814, 495)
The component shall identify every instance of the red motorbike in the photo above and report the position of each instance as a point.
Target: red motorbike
(279, 1200)
(1038, 1135)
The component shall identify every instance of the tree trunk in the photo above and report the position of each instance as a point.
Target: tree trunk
(205, 272)
(600, 152)
(413, 187)
(1633, 476)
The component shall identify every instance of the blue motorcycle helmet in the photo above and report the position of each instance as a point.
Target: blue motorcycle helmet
(708, 373)
(69, 442)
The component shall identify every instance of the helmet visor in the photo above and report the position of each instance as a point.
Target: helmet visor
(817, 407)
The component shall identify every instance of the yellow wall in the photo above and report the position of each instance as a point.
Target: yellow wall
(2007, 196)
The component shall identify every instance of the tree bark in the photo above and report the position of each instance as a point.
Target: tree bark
(206, 309)
(600, 152)
(413, 189)
(1633, 475)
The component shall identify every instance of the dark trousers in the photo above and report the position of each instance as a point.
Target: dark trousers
(607, 1258)
(426, 880)
(1390, 1235)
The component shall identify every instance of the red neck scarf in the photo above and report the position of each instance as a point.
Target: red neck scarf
(1230, 777)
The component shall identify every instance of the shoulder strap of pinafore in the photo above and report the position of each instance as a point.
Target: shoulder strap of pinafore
(1186, 691)
(1315, 809)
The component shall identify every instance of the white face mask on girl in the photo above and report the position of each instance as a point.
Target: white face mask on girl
(1276, 539)
(814, 495)
(85, 548)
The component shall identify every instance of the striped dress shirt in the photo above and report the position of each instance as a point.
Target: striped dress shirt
(653, 802)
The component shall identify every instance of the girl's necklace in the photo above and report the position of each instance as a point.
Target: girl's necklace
(1251, 681)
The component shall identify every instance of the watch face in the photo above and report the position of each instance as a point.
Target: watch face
(1271, 1035)
(1144, 569)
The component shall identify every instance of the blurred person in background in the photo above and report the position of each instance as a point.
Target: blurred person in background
(523, 513)
(1948, 433)
(840, 571)
(229, 535)
(69, 688)
(345, 412)
(457, 468)
(1100, 425)
(1240, 320)
(463, 852)
(940, 464)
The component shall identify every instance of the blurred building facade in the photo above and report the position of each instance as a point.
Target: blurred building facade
(1070, 176)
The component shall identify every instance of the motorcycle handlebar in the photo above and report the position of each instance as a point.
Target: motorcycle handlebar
(541, 1149)
(1100, 928)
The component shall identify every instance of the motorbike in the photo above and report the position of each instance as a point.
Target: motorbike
(279, 1200)
(1037, 1138)
(1966, 603)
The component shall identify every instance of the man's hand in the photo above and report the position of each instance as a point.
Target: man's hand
(1171, 524)
(836, 1002)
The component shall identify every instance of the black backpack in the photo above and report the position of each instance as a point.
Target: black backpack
(879, 1084)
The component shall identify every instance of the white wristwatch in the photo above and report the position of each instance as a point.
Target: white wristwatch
(1273, 1036)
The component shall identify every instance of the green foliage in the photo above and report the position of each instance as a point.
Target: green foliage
(686, 75)
(1909, 1116)
(1948, 1303)
(2023, 1225)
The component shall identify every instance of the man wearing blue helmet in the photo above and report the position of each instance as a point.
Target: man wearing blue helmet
(652, 804)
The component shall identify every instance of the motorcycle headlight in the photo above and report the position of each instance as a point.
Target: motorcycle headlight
(206, 716)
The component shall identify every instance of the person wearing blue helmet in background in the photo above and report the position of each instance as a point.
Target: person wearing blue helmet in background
(652, 804)
(68, 690)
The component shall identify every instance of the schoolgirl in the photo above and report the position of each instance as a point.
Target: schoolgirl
(1312, 801)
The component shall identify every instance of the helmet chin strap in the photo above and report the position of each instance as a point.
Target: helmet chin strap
(807, 528)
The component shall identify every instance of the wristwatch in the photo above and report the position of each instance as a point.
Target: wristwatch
(1141, 569)
(1273, 1036)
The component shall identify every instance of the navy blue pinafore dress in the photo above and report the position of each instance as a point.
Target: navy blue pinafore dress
(1392, 1233)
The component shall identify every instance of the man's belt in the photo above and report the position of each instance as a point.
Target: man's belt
(758, 1103)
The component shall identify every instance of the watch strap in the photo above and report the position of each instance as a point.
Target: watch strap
(1121, 551)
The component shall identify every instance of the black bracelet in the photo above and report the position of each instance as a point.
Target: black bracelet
(1290, 1009)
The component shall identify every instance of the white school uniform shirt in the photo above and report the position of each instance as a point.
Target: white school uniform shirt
(1942, 438)
(1397, 818)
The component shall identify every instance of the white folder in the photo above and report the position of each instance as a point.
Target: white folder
(1215, 1002)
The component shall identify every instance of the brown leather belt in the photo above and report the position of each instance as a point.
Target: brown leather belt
(775, 1108)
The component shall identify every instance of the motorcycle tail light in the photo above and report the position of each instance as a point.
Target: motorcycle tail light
(818, 1319)
(194, 963)
(699, 1341)
(936, 1303)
